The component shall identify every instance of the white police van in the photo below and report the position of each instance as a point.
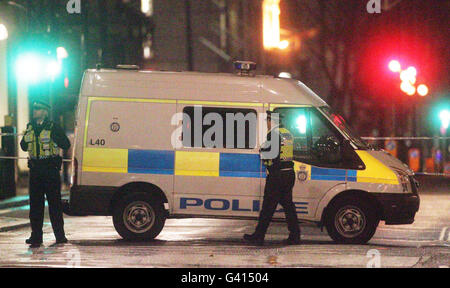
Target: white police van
(133, 158)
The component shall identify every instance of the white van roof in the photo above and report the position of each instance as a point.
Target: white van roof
(196, 86)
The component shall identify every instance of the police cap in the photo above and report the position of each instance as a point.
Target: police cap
(40, 105)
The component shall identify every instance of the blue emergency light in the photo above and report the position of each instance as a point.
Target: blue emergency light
(244, 68)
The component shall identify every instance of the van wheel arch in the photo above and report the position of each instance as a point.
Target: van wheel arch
(132, 187)
(359, 194)
(362, 215)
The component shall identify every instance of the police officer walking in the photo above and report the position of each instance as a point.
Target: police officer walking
(279, 183)
(43, 140)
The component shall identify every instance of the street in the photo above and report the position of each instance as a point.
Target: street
(338, 111)
(93, 242)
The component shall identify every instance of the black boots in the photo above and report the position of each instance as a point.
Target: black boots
(292, 240)
(259, 240)
(34, 241)
(37, 241)
(61, 240)
(254, 239)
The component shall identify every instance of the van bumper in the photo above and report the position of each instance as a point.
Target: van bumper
(398, 208)
(89, 200)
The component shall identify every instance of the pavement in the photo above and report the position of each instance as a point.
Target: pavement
(19, 202)
(192, 243)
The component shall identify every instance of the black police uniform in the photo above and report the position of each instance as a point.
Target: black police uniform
(278, 189)
(45, 180)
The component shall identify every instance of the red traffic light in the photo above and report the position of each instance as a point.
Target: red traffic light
(395, 66)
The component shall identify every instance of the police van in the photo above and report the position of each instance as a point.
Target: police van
(133, 158)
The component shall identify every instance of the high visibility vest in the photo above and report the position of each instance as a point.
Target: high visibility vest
(47, 147)
(286, 147)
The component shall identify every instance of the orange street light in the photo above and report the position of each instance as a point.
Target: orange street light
(271, 24)
(283, 44)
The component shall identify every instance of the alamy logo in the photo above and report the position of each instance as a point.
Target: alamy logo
(73, 258)
(375, 258)
(209, 131)
(374, 6)
(73, 6)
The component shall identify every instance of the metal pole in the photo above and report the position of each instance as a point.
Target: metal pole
(394, 132)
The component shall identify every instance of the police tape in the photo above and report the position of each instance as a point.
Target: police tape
(11, 134)
(405, 138)
(364, 138)
(432, 174)
(26, 158)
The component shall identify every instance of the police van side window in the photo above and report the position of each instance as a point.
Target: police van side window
(216, 127)
(309, 129)
(296, 121)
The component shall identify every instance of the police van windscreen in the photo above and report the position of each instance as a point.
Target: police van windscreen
(343, 126)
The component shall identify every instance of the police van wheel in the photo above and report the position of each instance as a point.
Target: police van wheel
(351, 221)
(139, 217)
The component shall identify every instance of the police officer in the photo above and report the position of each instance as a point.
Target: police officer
(279, 183)
(43, 140)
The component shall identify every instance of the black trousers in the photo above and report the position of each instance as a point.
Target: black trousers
(45, 182)
(278, 189)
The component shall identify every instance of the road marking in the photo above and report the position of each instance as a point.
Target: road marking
(6, 211)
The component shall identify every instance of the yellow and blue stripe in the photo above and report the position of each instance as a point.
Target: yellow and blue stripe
(216, 164)
(187, 163)
(151, 162)
(331, 174)
(169, 162)
(240, 165)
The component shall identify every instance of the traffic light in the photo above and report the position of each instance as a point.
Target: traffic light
(3, 32)
(408, 88)
(395, 66)
(30, 65)
(422, 90)
(408, 78)
(444, 116)
(53, 69)
(409, 75)
(61, 53)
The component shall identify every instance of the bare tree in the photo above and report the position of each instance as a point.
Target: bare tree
(338, 24)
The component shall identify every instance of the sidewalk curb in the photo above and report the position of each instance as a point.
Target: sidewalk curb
(14, 204)
(14, 227)
(12, 223)
(22, 201)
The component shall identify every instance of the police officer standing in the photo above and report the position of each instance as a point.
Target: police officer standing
(279, 183)
(43, 140)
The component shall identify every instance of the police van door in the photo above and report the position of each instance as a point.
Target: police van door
(217, 167)
(124, 144)
(315, 175)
